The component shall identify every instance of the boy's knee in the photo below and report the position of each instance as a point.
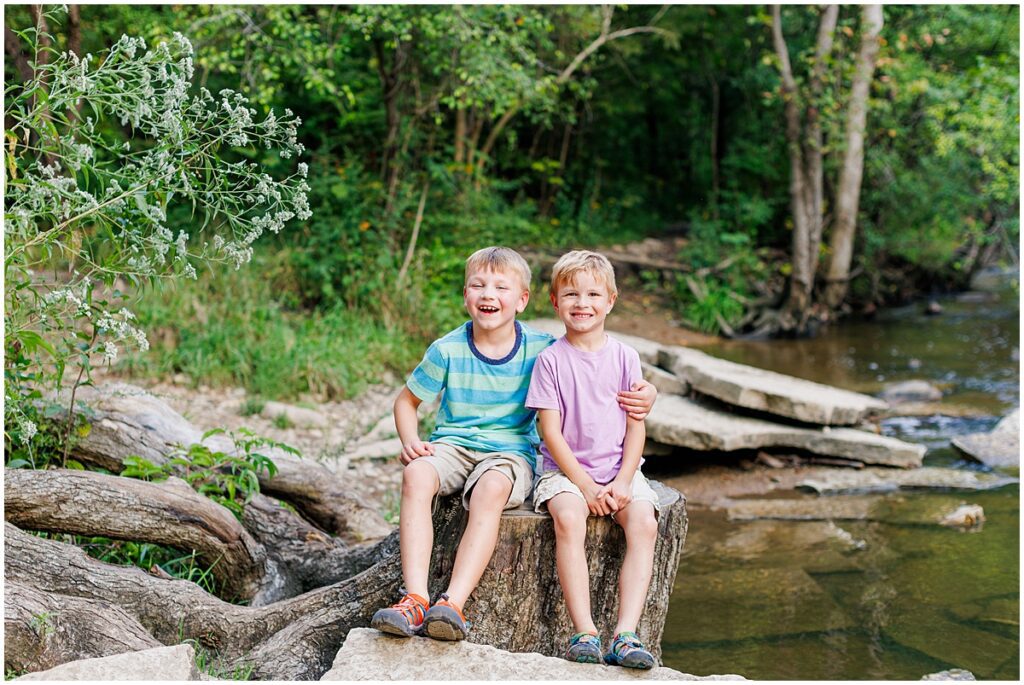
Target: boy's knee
(419, 478)
(570, 522)
(644, 524)
(491, 488)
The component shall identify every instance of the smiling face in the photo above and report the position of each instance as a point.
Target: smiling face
(583, 303)
(493, 298)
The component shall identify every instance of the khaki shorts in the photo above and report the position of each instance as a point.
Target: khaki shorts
(459, 468)
(552, 483)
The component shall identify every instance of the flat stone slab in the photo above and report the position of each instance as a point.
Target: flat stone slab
(767, 391)
(159, 663)
(999, 448)
(754, 603)
(647, 349)
(910, 391)
(696, 425)
(370, 655)
(935, 510)
(666, 382)
(887, 480)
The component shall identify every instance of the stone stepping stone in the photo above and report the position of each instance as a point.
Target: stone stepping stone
(886, 480)
(928, 630)
(754, 603)
(999, 448)
(696, 425)
(370, 655)
(160, 663)
(767, 391)
(931, 510)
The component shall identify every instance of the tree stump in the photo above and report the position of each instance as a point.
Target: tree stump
(518, 604)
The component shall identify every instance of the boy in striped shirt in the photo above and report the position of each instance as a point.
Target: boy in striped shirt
(484, 443)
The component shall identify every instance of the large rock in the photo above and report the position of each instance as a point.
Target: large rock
(999, 448)
(886, 480)
(647, 349)
(160, 663)
(370, 655)
(951, 674)
(666, 382)
(697, 425)
(767, 391)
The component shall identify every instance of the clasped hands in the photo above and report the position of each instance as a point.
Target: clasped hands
(606, 499)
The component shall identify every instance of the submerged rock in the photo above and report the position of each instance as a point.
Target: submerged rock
(965, 516)
(370, 655)
(754, 603)
(910, 391)
(697, 425)
(928, 630)
(767, 391)
(998, 448)
(885, 480)
(951, 674)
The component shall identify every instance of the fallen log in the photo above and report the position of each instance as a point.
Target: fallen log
(168, 513)
(294, 639)
(127, 420)
(43, 630)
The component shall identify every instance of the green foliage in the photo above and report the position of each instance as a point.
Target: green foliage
(231, 480)
(144, 555)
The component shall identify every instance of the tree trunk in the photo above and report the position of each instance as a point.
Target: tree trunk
(848, 195)
(518, 604)
(806, 176)
(169, 513)
(716, 101)
(460, 135)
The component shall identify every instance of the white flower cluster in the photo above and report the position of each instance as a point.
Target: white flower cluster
(28, 429)
(118, 327)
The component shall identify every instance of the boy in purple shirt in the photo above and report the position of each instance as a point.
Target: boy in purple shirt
(592, 455)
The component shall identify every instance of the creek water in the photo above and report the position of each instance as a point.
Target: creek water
(882, 599)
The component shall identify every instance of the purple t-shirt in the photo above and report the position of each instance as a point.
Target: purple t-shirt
(582, 386)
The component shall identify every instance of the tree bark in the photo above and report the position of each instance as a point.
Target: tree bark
(518, 604)
(460, 135)
(851, 174)
(169, 513)
(43, 630)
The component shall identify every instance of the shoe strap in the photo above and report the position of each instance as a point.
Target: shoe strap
(411, 604)
(448, 603)
(584, 637)
(628, 640)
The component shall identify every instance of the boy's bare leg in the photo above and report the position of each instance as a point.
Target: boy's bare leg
(641, 528)
(486, 502)
(570, 514)
(415, 524)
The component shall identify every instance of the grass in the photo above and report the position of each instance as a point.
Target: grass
(228, 329)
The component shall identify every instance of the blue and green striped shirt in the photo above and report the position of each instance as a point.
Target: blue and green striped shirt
(482, 407)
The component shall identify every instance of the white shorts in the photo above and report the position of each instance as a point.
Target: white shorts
(552, 483)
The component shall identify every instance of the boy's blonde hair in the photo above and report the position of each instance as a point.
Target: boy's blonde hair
(501, 259)
(578, 261)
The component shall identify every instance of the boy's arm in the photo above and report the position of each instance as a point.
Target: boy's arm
(407, 424)
(551, 426)
(638, 400)
(632, 450)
